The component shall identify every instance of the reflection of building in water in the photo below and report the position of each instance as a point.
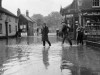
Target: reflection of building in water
(83, 62)
(68, 56)
(45, 57)
(30, 40)
(4, 56)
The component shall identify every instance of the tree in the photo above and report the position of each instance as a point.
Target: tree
(53, 19)
(38, 18)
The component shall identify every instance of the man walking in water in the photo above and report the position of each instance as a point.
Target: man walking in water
(45, 32)
(65, 30)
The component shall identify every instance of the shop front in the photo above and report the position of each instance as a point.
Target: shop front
(71, 17)
(72, 21)
(91, 22)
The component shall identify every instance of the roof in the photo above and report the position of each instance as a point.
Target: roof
(86, 4)
(7, 12)
(27, 18)
(72, 8)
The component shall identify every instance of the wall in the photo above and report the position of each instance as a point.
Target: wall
(86, 4)
(30, 25)
(11, 21)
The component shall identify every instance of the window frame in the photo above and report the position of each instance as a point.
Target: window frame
(0, 16)
(0, 28)
(9, 28)
(95, 3)
(15, 28)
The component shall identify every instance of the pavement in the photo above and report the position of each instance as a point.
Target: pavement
(27, 56)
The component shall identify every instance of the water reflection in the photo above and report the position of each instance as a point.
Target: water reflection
(86, 71)
(20, 54)
(66, 62)
(45, 57)
(65, 53)
(6, 41)
(85, 63)
(18, 40)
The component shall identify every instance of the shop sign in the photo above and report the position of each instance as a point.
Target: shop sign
(70, 15)
(92, 13)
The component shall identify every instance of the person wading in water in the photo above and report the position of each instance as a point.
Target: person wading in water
(45, 32)
(65, 31)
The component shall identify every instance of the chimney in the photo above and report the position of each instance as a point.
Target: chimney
(27, 13)
(18, 12)
(0, 3)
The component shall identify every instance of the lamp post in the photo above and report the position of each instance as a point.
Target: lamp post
(6, 30)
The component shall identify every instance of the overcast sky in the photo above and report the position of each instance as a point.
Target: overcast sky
(43, 7)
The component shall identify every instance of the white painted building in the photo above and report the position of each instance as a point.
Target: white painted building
(8, 23)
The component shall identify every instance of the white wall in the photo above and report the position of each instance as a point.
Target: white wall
(11, 21)
(3, 25)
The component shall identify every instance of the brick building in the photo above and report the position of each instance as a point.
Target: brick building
(26, 24)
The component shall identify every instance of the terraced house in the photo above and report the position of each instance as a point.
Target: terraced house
(8, 22)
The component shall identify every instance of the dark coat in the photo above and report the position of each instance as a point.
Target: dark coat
(80, 34)
(65, 30)
(45, 32)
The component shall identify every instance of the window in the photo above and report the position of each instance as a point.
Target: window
(9, 28)
(0, 28)
(16, 28)
(0, 16)
(15, 20)
(96, 3)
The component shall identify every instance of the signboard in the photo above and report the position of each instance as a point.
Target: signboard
(69, 16)
(91, 13)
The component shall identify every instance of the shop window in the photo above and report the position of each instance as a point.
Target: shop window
(0, 28)
(96, 3)
(9, 28)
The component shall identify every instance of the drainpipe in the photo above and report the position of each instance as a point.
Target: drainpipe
(27, 30)
(6, 25)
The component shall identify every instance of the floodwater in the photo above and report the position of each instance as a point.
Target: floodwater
(27, 56)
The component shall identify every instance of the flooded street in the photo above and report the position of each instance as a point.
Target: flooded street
(26, 56)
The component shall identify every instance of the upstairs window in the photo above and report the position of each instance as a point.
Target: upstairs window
(96, 3)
